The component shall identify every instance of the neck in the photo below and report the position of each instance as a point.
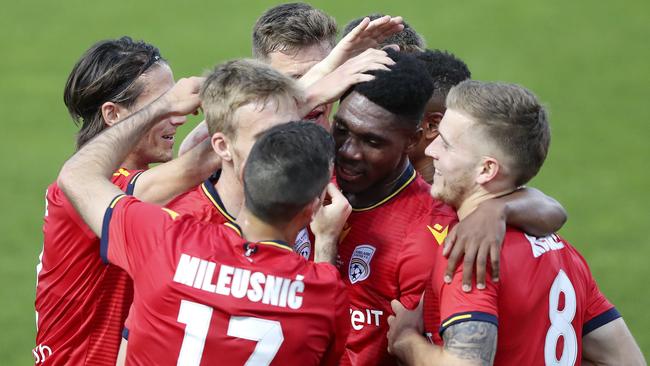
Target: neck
(472, 202)
(424, 166)
(378, 191)
(134, 162)
(231, 190)
(255, 230)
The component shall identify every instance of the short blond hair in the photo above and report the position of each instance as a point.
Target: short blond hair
(237, 83)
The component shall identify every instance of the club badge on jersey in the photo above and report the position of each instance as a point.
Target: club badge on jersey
(303, 244)
(359, 267)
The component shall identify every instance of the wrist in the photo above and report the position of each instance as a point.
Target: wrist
(403, 347)
(497, 206)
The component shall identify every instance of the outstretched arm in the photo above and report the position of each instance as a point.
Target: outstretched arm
(84, 178)
(611, 344)
(480, 234)
(162, 183)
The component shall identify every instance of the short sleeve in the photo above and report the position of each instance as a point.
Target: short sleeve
(599, 311)
(132, 230)
(457, 306)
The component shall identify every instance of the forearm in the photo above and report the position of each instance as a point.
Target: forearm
(84, 178)
(415, 350)
(198, 134)
(532, 211)
(325, 249)
(162, 183)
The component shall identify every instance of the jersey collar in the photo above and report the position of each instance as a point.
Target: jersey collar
(274, 243)
(208, 189)
(404, 180)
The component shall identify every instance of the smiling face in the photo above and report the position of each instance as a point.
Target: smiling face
(455, 158)
(296, 64)
(157, 145)
(371, 145)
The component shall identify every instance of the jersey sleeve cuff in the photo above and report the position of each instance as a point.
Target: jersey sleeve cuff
(471, 316)
(130, 188)
(103, 243)
(600, 320)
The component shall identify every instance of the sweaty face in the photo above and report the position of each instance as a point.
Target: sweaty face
(455, 160)
(371, 145)
(252, 120)
(295, 64)
(157, 145)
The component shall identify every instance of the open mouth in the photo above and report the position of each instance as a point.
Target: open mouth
(347, 173)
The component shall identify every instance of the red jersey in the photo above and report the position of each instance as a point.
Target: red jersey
(202, 202)
(546, 300)
(205, 204)
(81, 303)
(386, 252)
(205, 296)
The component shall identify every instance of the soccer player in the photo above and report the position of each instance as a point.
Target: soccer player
(80, 302)
(299, 41)
(546, 309)
(408, 40)
(221, 294)
(385, 253)
(446, 70)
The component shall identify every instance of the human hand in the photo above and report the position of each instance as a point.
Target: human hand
(183, 98)
(475, 237)
(403, 324)
(327, 223)
(330, 88)
(368, 34)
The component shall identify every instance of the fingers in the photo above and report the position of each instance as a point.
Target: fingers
(481, 264)
(495, 253)
(397, 306)
(468, 268)
(450, 240)
(356, 31)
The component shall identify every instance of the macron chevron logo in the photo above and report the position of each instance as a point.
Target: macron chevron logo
(439, 233)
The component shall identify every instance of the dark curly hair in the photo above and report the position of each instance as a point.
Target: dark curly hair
(403, 91)
(445, 69)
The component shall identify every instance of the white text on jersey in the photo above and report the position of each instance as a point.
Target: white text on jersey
(544, 244)
(359, 318)
(240, 283)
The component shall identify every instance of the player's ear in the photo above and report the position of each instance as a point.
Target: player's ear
(221, 146)
(488, 170)
(430, 125)
(111, 113)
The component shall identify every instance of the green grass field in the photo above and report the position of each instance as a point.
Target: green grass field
(588, 61)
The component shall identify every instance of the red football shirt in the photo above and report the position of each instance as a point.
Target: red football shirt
(205, 296)
(386, 252)
(205, 204)
(546, 300)
(81, 302)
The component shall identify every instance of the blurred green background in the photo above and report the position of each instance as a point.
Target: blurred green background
(587, 60)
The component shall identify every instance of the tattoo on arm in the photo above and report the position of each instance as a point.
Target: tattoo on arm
(472, 340)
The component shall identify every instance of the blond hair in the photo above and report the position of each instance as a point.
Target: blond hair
(234, 84)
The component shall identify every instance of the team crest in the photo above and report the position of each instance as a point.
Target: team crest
(303, 245)
(359, 268)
